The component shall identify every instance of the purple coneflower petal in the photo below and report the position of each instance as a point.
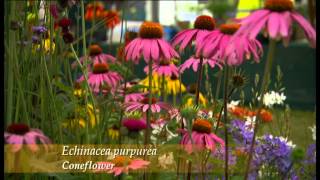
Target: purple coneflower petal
(274, 24)
(257, 27)
(306, 26)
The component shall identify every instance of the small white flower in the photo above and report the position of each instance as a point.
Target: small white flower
(314, 133)
(166, 160)
(170, 134)
(271, 98)
(250, 122)
(289, 143)
(233, 104)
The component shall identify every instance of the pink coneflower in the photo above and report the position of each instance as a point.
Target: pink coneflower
(133, 124)
(149, 44)
(129, 93)
(201, 136)
(202, 26)
(134, 97)
(174, 113)
(19, 134)
(96, 55)
(101, 76)
(165, 67)
(158, 123)
(123, 164)
(194, 62)
(143, 105)
(276, 18)
(218, 45)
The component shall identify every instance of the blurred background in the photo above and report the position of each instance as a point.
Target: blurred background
(297, 62)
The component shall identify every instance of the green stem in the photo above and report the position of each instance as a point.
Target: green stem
(199, 80)
(162, 88)
(222, 108)
(147, 138)
(218, 85)
(264, 87)
(225, 101)
(11, 40)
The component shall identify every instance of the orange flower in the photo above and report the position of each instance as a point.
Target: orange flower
(266, 115)
(94, 11)
(242, 112)
(112, 18)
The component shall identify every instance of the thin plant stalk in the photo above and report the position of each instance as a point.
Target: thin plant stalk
(126, 73)
(221, 110)
(225, 101)
(264, 87)
(218, 85)
(147, 138)
(199, 80)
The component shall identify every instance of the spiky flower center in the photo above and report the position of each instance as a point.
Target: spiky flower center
(173, 77)
(100, 68)
(121, 161)
(278, 5)
(192, 89)
(204, 22)
(229, 28)
(238, 80)
(202, 126)
(19, 129)
(150, 30)
(95, 50)
(164, 62)
(146, 101)
(115, 128)
(77, 85)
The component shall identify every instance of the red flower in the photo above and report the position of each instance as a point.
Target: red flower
(94, 11)
(112, 18)
(64, 22)
(266, 115)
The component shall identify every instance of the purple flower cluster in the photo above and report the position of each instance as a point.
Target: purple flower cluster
(39, 29)
(241, 134)
(39, 32)
(308, 170)
(311, 155)
(272, 153)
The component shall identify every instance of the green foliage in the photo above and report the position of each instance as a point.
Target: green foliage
(219, 8)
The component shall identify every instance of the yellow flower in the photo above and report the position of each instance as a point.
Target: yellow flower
(114, 132)
(46, 44)
(78, 91)
(92, 117)
(81, 121)
(191, 100)
(74, 123)
(156, 79)
(172, 86)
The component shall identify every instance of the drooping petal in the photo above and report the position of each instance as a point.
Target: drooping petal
(147, 49)
(256, 28)
(274, 24)
(187, 39)
(285, 23)
(306, 26)
(155, 50)
(164, 49)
